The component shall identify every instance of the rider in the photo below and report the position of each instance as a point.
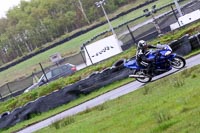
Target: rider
(141, 58)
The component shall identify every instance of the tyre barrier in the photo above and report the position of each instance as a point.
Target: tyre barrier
(57, 98)
(118, 65)
(181, 46)
(93, 82)
(195, 41)
(4, 114)
(93, 74)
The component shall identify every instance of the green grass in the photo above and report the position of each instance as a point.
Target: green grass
(27, 67)
(13, 103)
(59, 84)
(146, 91)
(69, 105)
(189, 29)
(79, 75)
(37, 118)
(170, 106)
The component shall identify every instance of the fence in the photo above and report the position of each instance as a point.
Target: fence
(15, 88)
(148, 30)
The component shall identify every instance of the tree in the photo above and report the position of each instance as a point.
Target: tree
(83, 11)
(31, 25)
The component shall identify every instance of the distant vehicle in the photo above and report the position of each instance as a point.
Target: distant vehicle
(53, 74)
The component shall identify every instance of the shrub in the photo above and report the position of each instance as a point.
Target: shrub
(177, 81)
(62, 123)
(162, 116)
(146, 90)
(33, 95)
(194, 75)
(101, 107)
(186, 73)
(185, 109)
(163, 126)
(98, 108)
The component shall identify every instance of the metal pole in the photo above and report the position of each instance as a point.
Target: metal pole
(34, 77)
(9, 88)
(133, 38)
(155, 23)
(88, 53)
(83, 58)
(178, 7)
(175, 15)
(43, 72)
(107, 18)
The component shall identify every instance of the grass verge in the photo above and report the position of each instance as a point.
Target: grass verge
(169, 106)
(13, 103)
(60, 109)
(146, 91)
(44, 90)
(82, 99)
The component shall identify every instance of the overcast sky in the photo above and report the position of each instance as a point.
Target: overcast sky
(6, 5)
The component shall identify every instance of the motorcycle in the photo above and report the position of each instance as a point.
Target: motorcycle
(165, 60)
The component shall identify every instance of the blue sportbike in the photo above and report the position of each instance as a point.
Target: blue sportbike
(164, 60)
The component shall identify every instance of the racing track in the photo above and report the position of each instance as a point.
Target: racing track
(195, 60)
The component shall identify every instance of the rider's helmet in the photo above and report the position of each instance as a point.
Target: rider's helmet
(142, 44)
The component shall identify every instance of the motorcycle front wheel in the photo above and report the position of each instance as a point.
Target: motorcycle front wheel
(144, 77)
(178, 62)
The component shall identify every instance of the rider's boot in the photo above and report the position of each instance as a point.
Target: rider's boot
(150, 70)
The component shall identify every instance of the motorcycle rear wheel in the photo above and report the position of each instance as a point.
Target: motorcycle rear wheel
(178, 62)
(145, 79)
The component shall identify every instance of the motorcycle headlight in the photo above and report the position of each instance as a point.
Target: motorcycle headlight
(168, 53)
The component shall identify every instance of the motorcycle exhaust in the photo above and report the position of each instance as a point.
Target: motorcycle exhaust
(137, 76)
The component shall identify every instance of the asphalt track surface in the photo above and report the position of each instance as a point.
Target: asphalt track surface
(195, 60)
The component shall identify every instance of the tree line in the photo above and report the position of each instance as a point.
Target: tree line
(30, 25)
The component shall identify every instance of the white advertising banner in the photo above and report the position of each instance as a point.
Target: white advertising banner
(186, 19)
(102, 49)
